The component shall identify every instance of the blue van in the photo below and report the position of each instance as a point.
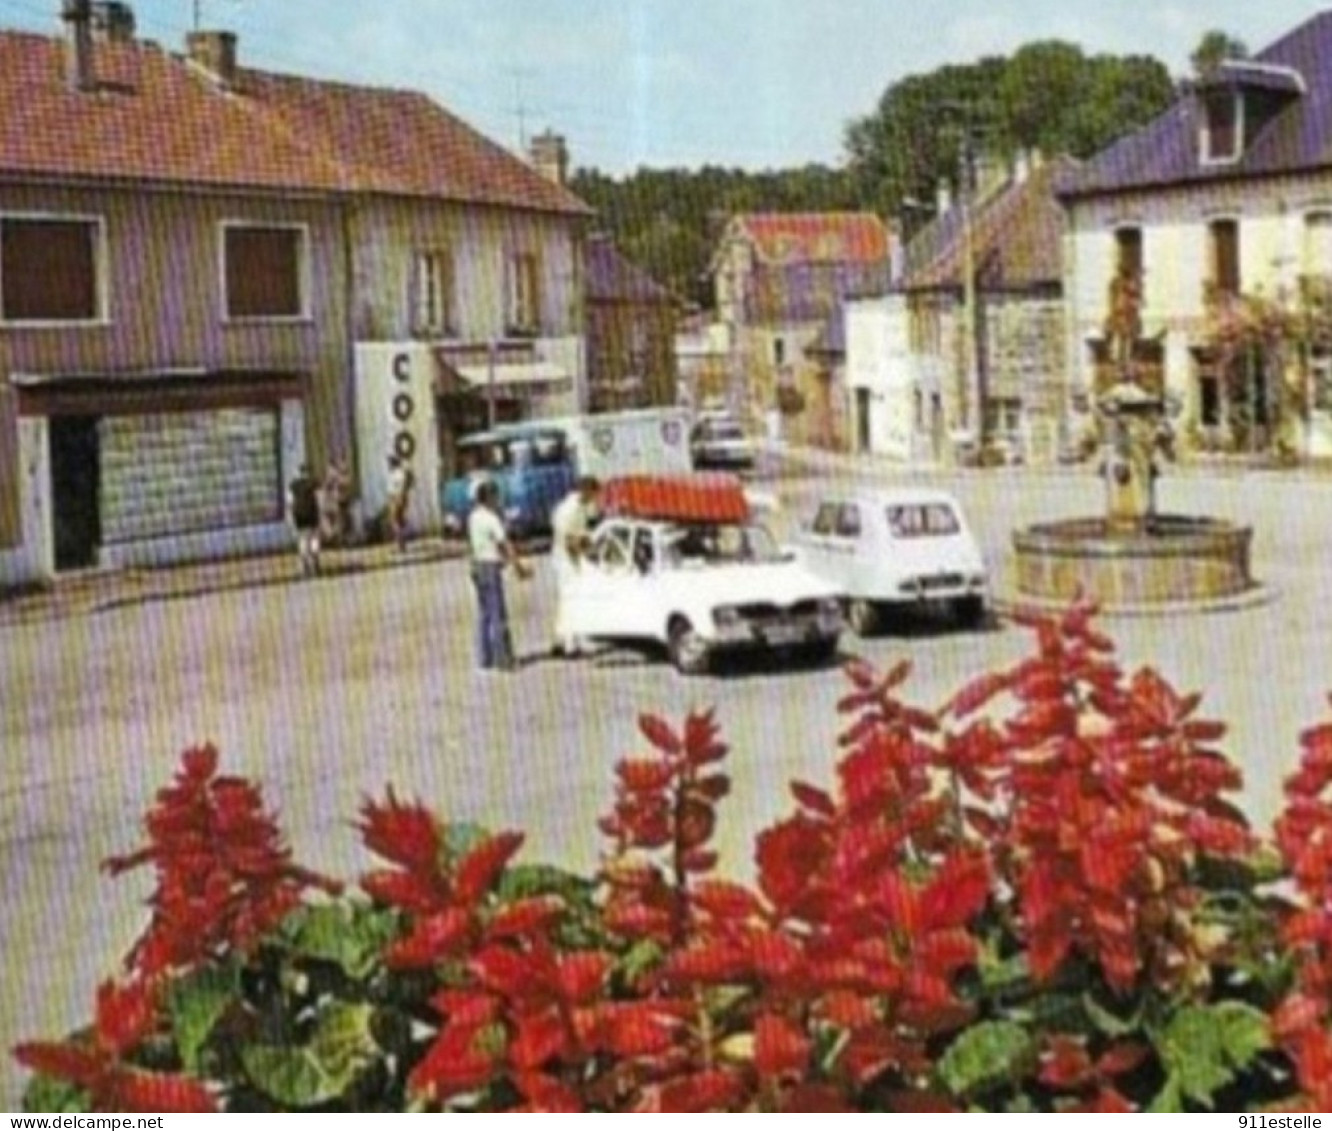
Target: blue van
(531, 465)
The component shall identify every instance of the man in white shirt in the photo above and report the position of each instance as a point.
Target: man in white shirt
(571, 526)
(490, 550)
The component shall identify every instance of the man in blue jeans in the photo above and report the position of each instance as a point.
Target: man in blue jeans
(491, 550)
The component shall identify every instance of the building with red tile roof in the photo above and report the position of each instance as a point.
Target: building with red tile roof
(779, 279)
(190, 251)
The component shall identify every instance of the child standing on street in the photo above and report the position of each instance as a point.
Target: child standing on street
(303, 503)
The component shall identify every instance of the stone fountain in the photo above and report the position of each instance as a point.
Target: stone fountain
(1133, 558)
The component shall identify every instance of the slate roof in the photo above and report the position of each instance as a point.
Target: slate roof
(154, 117)
(1297, 137)
(781, 238)
(1017, 237)
(612, 278)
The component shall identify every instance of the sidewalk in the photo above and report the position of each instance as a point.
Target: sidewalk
(93, 591)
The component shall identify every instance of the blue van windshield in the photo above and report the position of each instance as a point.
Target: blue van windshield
(503, 453)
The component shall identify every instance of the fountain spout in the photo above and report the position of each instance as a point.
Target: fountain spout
(1134, 421)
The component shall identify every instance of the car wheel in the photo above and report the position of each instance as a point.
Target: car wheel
(688, 650)
(969, 611)
(862, 616)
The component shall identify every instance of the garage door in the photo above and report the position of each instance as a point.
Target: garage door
(174, 473)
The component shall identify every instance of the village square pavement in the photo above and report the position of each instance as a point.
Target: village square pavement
(330, 689)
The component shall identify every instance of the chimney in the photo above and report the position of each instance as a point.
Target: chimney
(77, 15)
(112, 21)
(550, 157)
(990, 174)
(213, 52)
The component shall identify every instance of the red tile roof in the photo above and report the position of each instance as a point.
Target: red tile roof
(150, 119)
(400, 142)
(154, 117)
(816, 237)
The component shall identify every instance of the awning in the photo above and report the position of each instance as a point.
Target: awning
(511, 374)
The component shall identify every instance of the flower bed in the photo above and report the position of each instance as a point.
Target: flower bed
(1038, 897)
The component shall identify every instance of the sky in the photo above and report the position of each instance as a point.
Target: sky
(674, 83)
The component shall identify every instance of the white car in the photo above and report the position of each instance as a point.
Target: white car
(718, 442)
(698, 589)
(896, 548)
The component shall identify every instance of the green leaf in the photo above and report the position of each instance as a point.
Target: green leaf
(644, 956)
(58, 1097)
(1109, 1022)
(987, 1055)
(1169, 1100)
(351, 935)
(195, 1004)
(1204, 1047)
(527, 881)
(306, 1076)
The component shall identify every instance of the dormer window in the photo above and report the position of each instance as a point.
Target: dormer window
(1223, 126)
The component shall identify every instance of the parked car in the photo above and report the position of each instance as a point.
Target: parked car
(894, 549)
(536, 463)
(679, 562)
(531, 466)
(718, 442)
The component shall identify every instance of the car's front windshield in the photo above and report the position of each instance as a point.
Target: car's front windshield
(719, 544)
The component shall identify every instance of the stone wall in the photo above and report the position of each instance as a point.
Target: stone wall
(173, 473)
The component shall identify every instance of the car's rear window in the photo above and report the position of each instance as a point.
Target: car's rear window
(922, 520)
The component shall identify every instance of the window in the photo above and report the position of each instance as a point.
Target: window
(1225, 256)
(848, 521)
(1222, 126)
(524, 294)
(1209, 400)
(1128, 252)
(432, 295)
(922, 520)
(50, 269)
(264, 271)
(825, 522)
(1320, 376)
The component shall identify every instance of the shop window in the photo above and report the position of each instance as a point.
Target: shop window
(50, 269)
(264, 270)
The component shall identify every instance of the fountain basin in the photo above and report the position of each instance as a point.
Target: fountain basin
(1168, 560)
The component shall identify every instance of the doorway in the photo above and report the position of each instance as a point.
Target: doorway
(75, 490)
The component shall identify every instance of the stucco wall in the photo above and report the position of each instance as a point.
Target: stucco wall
(387, 234)
(164, 287)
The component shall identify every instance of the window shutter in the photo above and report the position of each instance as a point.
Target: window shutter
(11, 470)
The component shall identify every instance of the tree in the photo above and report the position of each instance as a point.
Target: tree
(1048, 95)
(1214, 48)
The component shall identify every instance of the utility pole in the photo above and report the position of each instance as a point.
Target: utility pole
(971, 393)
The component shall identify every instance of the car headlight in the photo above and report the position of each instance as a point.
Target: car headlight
(725, 617)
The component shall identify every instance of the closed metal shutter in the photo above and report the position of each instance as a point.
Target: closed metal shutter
(174, 473)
